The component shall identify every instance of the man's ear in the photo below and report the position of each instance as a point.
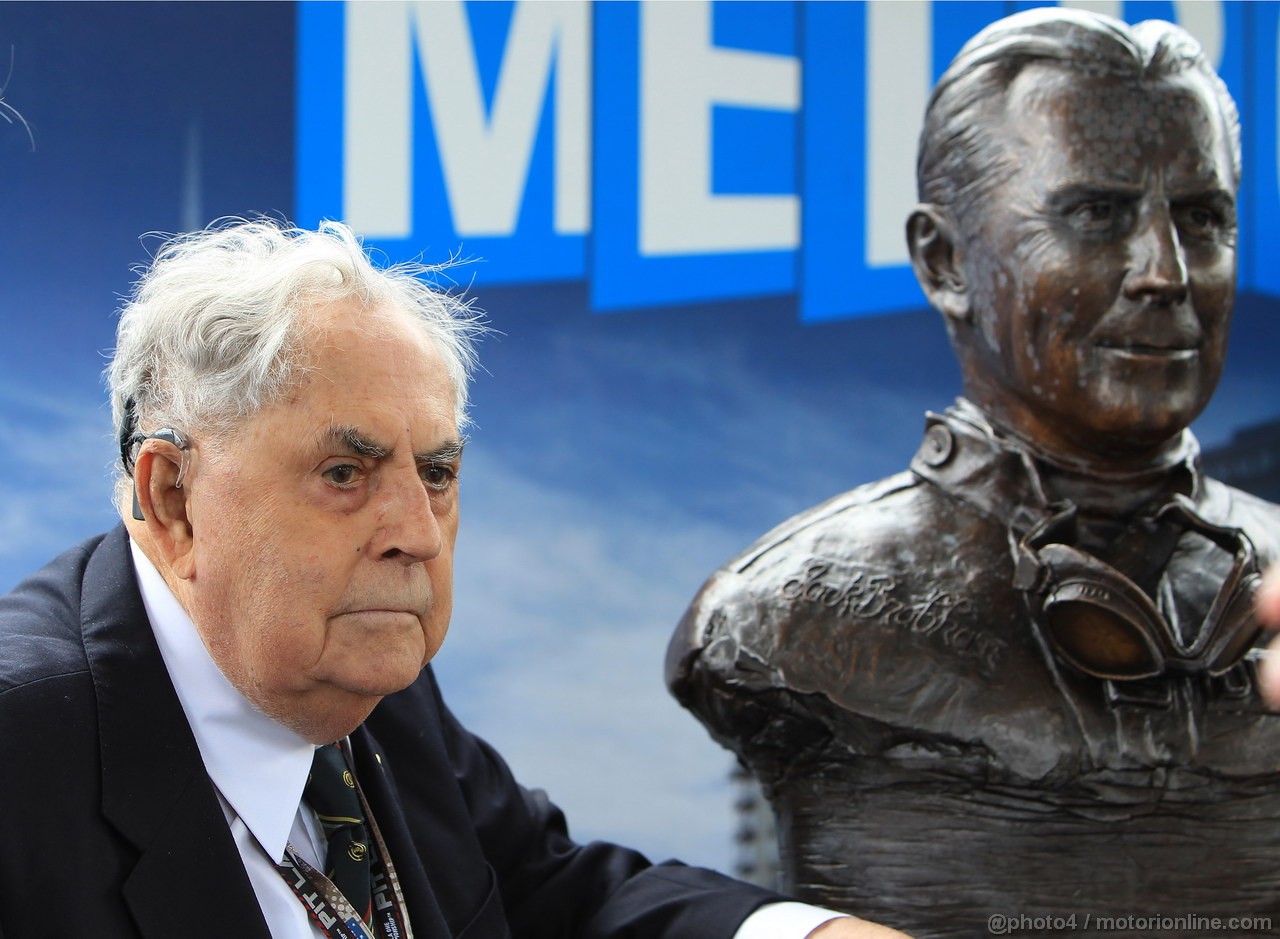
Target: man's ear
(936, 257)
(164, 504)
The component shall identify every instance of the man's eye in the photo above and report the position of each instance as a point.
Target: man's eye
(438, 476)
(344, 475)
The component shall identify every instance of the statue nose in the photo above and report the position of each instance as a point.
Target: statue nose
(1157, 265)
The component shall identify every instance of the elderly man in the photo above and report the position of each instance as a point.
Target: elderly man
(215, 720)
(1017, 679)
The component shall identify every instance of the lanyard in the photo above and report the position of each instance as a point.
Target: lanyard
(332, 912)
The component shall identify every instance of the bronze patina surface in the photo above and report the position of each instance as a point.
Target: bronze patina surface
(1020, 677)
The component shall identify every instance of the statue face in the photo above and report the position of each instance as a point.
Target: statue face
(1101, 268)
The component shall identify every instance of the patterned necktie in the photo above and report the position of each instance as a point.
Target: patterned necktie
(331, 792)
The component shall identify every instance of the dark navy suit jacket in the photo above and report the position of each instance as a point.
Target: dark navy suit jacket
(113, 829)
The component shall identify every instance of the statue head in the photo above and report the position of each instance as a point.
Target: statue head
(1077, 228)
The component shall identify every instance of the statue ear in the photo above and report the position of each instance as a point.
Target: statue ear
(936, 257)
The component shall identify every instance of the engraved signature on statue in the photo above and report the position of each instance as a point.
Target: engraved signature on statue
(866, 596)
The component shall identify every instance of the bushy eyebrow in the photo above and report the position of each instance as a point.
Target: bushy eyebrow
(448, 452)
(353, 440)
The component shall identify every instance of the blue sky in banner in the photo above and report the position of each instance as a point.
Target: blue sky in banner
(616, 459)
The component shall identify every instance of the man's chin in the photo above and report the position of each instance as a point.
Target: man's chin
(333, 721)
(331, 710)
(377, 683)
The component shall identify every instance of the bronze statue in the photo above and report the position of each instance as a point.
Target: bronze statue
(1019, 678)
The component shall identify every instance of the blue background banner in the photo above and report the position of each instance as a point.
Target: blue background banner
(728, 182)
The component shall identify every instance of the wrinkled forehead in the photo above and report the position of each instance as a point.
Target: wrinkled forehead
(320, 321)
(338, 337)
(329, 331)
(1120, 127)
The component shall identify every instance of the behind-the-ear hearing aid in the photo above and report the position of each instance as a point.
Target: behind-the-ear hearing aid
(169, 435)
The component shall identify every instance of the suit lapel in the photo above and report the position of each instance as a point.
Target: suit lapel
(426, 918)
(189, 880)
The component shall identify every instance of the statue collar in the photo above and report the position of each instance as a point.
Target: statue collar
(967, 456)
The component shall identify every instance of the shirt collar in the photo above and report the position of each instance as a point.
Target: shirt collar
(258, 765)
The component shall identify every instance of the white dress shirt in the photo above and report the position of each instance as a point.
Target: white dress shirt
(259, 768)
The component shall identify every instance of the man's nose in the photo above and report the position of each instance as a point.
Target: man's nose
(408, 528)
(1157, 266)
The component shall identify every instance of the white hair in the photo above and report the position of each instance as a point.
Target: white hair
(212, 334)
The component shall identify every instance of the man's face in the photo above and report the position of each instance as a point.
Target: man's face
(1102, 271)
(324, 528)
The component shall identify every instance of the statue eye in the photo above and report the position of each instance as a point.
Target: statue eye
(1201, 221)
(1101, 214)
(1095, 216)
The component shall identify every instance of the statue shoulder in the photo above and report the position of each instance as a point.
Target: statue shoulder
(736, 610)
(875, 510)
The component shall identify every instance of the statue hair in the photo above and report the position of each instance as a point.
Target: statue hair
(958, 155)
